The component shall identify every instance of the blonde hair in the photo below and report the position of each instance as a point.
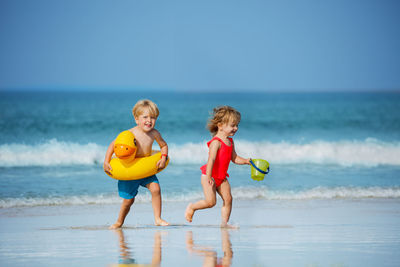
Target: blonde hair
(222, 114)
(143, 104)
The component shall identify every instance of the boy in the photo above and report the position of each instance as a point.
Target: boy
(145, 113)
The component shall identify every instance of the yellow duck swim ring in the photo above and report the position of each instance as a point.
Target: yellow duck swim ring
(125, 166)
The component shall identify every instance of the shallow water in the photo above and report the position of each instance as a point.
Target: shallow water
(285, 233)
(332, 145)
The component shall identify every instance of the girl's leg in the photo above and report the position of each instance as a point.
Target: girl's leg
(224, 190)
(155, 191)
(226, 248)
(125, 207)
(209, 200)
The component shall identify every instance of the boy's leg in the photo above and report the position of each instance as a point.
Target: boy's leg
(224, 190)
(155, 191)
(127, 190)
(156, 261)
(125, 207)
(209, 200)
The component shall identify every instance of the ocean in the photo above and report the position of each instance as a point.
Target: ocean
(319, 145)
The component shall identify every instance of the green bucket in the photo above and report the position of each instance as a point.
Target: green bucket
(259, 168)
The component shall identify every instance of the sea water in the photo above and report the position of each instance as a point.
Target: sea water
(319, 145)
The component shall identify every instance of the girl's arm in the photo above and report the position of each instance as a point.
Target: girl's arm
(212, 154)
(164, 150)
(107, 159)
(237, 159)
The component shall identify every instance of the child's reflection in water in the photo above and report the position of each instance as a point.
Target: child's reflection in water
(209, 254)
(125, 254)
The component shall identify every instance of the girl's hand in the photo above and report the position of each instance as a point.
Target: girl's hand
(107, 167)
(211, 181)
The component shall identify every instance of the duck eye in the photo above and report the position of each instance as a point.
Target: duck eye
(134, 141)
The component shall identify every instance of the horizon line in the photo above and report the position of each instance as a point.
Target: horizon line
(213, 90)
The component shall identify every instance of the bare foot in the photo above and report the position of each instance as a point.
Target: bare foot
(229, 226)
(161, 222)
(115, 226)
(189, 213)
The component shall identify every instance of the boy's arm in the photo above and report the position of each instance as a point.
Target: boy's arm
(237, 159)
(164, 150)
(107, 159)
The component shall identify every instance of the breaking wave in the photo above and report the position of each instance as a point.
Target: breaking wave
(239, 193)
(370, 152)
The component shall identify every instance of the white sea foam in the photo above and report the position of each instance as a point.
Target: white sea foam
(57, 201)
(239, 193)
(50, 153)
(369, 152)
(317, 193)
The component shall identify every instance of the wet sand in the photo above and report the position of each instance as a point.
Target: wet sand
(278, 233)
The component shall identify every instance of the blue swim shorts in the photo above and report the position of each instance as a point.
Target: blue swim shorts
(129, 189)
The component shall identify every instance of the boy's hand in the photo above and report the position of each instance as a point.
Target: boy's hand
(107, 167)
(161, 163)
(248, 161)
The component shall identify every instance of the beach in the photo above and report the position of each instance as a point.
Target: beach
(331, 198)
(270, 233)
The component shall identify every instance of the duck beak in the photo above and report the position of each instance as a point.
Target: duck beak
(123, 151)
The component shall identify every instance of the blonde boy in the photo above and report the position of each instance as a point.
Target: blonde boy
(145, 113)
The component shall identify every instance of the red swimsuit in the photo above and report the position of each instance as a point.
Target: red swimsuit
(221, 163)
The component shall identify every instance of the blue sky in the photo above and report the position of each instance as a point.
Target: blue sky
(298, 45)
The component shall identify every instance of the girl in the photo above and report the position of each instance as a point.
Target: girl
(222, 125)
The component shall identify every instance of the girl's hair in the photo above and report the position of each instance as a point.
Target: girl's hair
(222, 114)
(141, 105)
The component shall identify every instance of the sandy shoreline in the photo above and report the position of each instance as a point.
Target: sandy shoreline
(285, 233)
